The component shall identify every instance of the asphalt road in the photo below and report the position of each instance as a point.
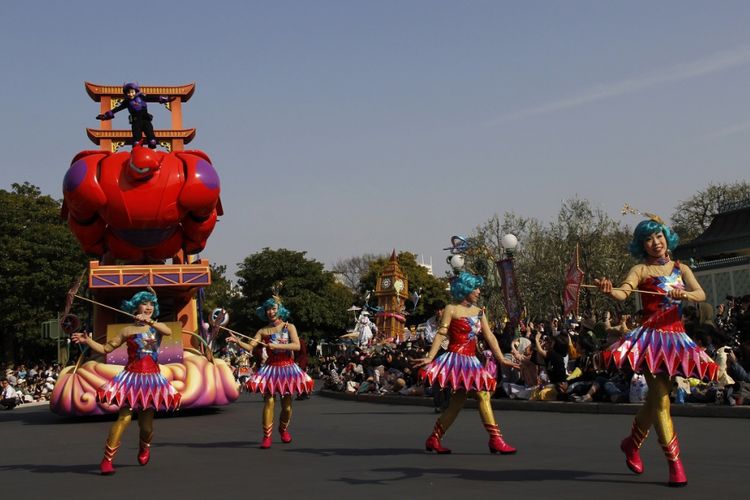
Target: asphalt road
(345, 449)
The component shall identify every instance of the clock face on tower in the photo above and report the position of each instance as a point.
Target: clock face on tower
(385, 283)
(398, 285)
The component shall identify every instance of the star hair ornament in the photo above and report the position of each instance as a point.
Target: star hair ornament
(627, 209)
(276, 291)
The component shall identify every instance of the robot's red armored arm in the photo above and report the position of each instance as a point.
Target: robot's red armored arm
(200, 198)
(83, 199)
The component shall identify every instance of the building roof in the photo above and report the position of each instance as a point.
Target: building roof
(727, 236)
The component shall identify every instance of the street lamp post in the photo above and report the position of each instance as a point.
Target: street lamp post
(511, 296)
(509, 243)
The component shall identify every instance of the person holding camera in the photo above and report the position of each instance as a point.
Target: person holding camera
(659, 348)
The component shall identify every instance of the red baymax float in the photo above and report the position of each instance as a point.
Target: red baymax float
(141, 206)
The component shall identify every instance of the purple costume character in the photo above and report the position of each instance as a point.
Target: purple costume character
(140, 118)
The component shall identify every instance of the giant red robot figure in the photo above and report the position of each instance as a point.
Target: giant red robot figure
(142, 206)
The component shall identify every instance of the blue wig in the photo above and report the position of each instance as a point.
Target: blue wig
(282, 314)
(465, 283)
(646, 228)
(138, 299)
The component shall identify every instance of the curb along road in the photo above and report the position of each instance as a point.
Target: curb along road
(686, 410)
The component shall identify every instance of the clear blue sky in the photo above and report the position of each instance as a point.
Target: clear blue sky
(350, 127)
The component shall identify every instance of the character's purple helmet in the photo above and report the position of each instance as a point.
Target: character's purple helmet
(131, 85)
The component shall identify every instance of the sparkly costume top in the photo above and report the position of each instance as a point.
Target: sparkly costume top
(660, 344)
(143, 351)
(663, 285)
(462, 335)
(279, 356)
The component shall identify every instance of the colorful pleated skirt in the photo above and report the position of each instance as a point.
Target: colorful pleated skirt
(283, 377)
(661, 345)
(452, 370)
(139, 391)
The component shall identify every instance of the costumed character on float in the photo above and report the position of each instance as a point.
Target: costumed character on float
(140, 119)
(659, 348)
(459, 368)
(279, 374)
(366, 329)
(140, 387)
(133, 210)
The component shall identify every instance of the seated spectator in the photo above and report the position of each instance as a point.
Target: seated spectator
(554, 356)
(8, 396)
(607, 389)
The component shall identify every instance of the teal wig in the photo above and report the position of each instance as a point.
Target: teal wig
(138, 299)
(283, 313)
(465, 283)
(646, 228)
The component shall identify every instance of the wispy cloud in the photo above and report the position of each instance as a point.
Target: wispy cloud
(714, 63)
(727, 131)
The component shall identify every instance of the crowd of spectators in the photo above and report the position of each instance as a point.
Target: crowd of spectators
(22, 385)
(562, 360)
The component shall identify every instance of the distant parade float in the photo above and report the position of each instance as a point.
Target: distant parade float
(134, 211)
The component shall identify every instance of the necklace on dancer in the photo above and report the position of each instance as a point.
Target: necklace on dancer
(660, 261)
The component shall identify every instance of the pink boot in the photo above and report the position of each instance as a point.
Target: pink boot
(284, 433)
(677, 477)
(631, 446)
(266, 443)
(144, 450)
(433, 442)
(106, 467)
(497, 444)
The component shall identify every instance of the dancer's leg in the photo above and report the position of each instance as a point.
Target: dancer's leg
(285, 418)
(444, 421)
(146, 433)
(496, 444)
(113, 440)
(267, 420)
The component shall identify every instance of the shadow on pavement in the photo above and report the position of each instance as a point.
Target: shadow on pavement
(517, 475)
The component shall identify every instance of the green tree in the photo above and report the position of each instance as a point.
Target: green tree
(40, 260)
(432, 288)
(693, 216)
(317, 302)
(352, 269)
(545, 252)
(222, 292)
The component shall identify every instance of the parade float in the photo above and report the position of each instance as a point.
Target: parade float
(144, 213)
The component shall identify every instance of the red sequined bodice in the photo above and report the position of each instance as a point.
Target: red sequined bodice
(462, 335)
(653, 303)
(279, 356)
(143, 351)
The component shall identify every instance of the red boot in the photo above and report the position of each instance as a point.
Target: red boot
(284, 433)
(266, 443)
(106, 467)
(144, 450)
(433, 442)
(677, 477)
(497, 444)
(631, 446)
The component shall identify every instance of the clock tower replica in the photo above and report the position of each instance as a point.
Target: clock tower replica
(391, 290)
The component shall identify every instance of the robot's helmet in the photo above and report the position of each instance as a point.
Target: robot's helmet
(130, 85)
(144, 162)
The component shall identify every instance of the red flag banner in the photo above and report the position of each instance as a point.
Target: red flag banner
(573, 279)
